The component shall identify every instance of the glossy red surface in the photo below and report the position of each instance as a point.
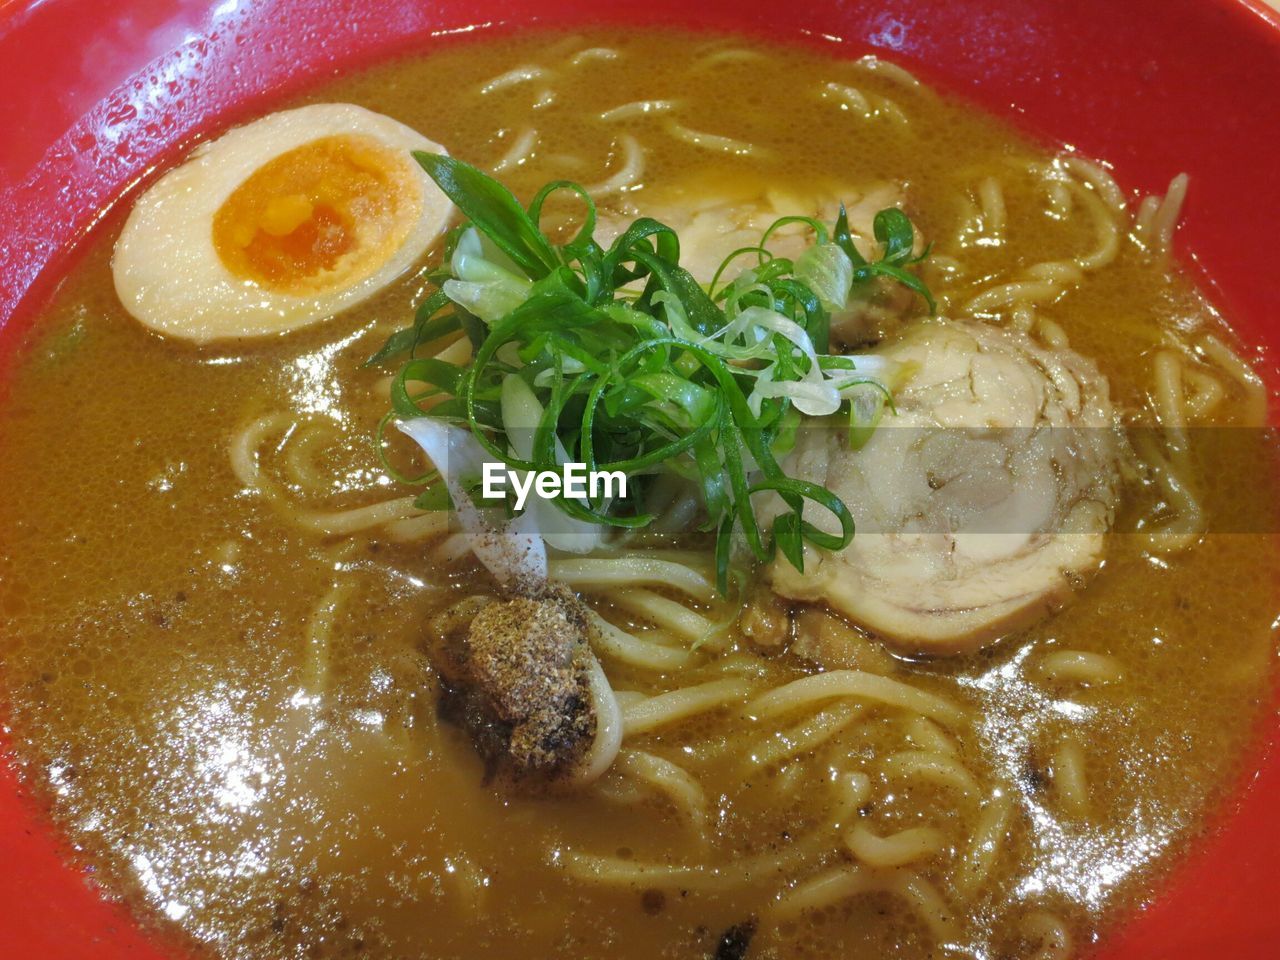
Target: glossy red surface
(96, 95)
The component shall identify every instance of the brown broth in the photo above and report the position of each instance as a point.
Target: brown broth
(153, 615)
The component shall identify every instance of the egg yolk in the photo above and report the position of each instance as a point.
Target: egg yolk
(320, 217)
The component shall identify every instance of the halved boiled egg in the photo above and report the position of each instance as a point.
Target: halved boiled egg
(279, 223)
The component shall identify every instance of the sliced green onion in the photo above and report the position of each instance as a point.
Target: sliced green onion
(572, 364)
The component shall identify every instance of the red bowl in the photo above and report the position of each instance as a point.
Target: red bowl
(94, 101)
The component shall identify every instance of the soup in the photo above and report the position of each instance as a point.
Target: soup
(220, 607)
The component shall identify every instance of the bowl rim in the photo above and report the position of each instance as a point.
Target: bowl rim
(1171, 927)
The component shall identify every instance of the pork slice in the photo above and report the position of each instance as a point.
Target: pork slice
(982, 506)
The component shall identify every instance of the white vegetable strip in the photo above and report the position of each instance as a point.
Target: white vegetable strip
(485, 281)
(509, 552)
(521, 413)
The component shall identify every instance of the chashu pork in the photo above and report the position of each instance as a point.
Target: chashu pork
(715, 217)
(981, 506)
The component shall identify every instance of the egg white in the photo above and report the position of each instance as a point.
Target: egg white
(168, 273)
